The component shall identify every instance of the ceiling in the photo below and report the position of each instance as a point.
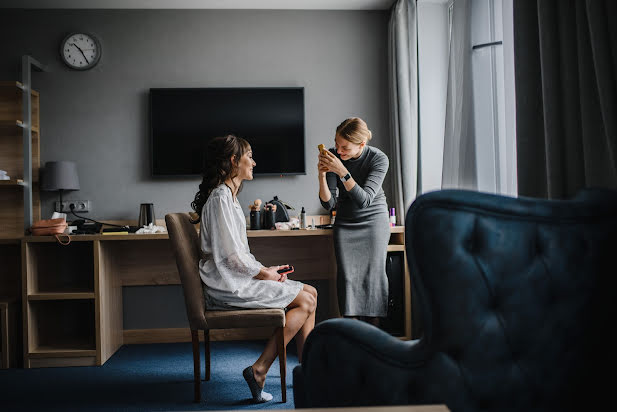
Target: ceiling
(201, 4)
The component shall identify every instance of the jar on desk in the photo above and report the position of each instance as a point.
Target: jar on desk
(255, 220)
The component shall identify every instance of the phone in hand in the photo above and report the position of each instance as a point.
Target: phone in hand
(286, 269)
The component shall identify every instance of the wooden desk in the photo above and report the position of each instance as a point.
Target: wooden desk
(72, 295)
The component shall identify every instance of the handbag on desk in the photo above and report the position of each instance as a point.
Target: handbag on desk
(51, 227)
(280, 214)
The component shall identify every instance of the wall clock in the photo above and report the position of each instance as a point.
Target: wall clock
(80, 51)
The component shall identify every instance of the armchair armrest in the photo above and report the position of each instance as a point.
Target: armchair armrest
(351, 363)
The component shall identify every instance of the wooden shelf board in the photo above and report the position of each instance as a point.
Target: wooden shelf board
(18, 86)
(10, 240)
(60, 296)
(77, 350)
(8, 124)
(12, 182)
(396, 248)
(11, 83)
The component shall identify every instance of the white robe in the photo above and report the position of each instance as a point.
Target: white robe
(228, 267)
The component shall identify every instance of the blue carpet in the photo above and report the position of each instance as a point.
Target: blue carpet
(147, 378)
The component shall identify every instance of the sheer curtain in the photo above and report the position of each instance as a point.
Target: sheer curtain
(480, 137)
(459, 156)
(403, 88)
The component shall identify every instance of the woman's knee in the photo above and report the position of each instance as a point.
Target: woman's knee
(308, 302)
(310, 289)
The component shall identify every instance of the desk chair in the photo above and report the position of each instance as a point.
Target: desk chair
(186, 248)
(517, 297)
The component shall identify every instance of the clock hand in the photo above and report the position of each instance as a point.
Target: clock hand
(81, 51)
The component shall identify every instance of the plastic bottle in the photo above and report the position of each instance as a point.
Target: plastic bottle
(302, 219)
(333, 217)
(392, 217)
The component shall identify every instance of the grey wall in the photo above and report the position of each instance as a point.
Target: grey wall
(98, 118)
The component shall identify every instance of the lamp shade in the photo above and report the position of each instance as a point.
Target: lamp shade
(60, 175)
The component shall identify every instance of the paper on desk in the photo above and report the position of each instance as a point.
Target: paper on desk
(57, 215)
(293, 223)
(151, 229)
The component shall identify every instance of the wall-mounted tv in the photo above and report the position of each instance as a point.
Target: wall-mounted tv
(182, 121)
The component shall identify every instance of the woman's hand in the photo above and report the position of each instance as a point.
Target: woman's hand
(270, 273)
(328, 162)
(321, 167)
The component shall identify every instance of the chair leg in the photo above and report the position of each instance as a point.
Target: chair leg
(207, 352)
(196, 364)
(282, 352)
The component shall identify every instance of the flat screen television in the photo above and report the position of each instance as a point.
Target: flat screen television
(183, 120)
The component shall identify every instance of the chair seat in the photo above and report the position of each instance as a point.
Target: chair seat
(245, 318)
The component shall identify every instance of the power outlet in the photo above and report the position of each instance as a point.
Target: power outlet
(80, 206)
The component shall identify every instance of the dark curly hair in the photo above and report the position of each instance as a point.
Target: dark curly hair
(218, 167)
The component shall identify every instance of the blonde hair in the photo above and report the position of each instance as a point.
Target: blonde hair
(354, 130)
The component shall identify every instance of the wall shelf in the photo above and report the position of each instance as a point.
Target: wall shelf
(14, 209)
(61, 296)
(54, 352)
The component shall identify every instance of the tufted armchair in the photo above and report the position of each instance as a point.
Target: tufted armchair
(517, 301)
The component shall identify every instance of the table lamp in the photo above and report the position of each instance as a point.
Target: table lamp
(60, 175)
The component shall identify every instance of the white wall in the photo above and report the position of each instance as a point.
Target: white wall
(433, 79)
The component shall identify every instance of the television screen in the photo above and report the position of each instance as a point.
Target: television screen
(182, 121)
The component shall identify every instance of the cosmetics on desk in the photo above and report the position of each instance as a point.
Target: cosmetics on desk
(255, 215)
(302, 219)
(392, 217)
(269, 219)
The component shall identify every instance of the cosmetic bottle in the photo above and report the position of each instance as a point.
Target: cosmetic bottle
(302, 219)
(392, 217)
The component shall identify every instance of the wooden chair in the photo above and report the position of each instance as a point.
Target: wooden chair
(187, 251)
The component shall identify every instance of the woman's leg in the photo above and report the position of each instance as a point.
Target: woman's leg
(298, 312)
(308, 325)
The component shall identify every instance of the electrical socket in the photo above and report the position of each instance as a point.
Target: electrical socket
(80, 206)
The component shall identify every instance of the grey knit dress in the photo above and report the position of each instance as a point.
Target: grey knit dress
(361, 235)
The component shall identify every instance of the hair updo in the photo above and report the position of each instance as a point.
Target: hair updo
(354, 130)
(218, 167)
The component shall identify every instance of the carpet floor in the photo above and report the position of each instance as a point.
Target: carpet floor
(151, 377)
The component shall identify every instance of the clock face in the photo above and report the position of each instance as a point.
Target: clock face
(80, 51)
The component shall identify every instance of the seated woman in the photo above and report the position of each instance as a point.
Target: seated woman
(231, 274)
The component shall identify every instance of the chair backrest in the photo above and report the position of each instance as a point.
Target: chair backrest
(186, 248)
(515, 297)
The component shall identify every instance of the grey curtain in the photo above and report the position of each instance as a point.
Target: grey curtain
(403, 88)
(566, 95)
(459, 154)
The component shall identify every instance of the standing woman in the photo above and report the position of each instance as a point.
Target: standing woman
(361, 228)
(233, 278)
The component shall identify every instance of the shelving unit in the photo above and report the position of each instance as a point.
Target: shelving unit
(20, 205)
(72, 302)
(59, 303)
(13, 211)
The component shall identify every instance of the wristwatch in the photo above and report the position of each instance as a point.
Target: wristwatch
(345, 178)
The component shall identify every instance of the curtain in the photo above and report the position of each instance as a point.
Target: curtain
(403, 94)
(459, 156)
(566, 96)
